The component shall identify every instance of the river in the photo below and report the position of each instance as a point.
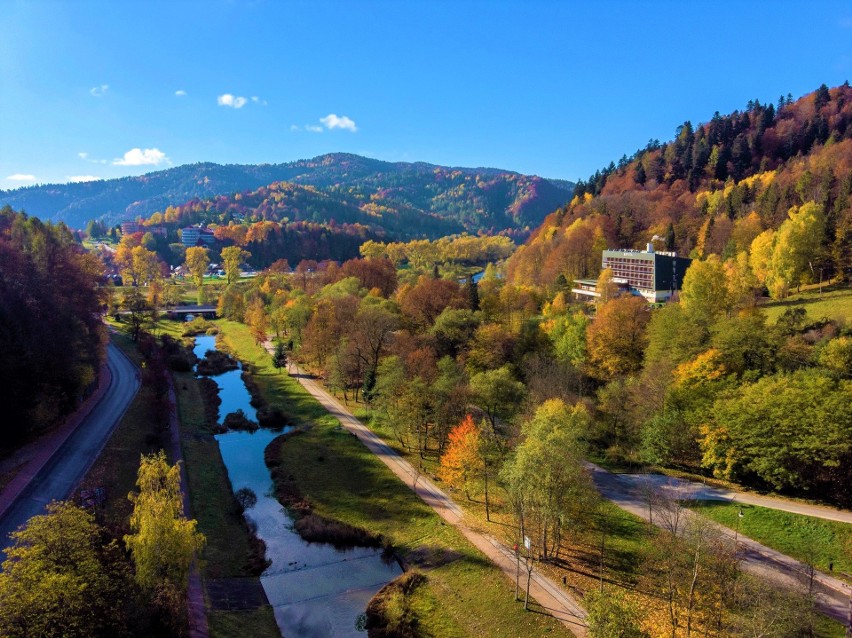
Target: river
(315, 590)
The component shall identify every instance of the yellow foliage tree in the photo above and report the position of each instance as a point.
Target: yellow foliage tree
(163, 543)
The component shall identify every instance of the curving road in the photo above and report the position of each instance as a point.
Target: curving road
(631, 493)
(57, 477)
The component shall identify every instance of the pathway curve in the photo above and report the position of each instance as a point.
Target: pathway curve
(832, 595)
(683, 489)
(66, 455)
(546, 592)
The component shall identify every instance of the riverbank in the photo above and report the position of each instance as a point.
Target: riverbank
(464, 593)
(232, 558)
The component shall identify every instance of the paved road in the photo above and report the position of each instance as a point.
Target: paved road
(683, 489)
(630, 494)
(57, 478)
(548, 594)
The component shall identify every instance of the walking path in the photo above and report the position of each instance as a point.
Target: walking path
(549, 595)
(197, 611)
(683, 489)
(832, 595)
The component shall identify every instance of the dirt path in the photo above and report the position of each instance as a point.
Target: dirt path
(197, 611)
(832, 595)
(546, 592)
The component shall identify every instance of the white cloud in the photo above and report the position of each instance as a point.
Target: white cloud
(82, 178)
(140, 157)
(257, 100)
(234, 101)
(20, 177)
(313, 128)
(82, 155)
(99, 91)
(332, 121)
(180, 93)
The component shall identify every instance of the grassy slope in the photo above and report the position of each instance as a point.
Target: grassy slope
(343, 480)
(834, 303)
(118, 463)
(808, 539)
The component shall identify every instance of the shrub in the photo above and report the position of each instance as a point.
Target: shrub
(239, 421)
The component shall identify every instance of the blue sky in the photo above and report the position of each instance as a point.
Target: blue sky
(559, 89)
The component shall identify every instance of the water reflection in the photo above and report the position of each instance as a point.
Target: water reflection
(314, 589)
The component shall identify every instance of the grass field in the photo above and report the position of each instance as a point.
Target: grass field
(465, 596)
(811, 540)
(117, 465)
(835, 302)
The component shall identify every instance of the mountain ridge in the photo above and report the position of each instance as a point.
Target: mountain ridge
(521, 203)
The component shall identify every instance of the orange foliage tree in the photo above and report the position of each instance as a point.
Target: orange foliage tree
(462, 460)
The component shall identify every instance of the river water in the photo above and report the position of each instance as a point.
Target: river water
(315, 590)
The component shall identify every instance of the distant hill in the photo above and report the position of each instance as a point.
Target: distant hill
(480, 199)
(712, 190)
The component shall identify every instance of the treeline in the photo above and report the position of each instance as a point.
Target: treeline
(508, 388)
(51, 337)
(714, 190)
(268, 242)
(67, 575)
(710, 385)
(465, 250)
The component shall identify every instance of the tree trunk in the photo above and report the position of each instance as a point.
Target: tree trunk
(487, 507)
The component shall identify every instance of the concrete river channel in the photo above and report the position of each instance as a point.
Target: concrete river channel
(314, 589)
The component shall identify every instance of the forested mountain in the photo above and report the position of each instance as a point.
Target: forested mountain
(716, 189)
(480, 199)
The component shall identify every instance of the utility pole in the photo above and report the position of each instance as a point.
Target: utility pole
(517, 570)
(528, 544)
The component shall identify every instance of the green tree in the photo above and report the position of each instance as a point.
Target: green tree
(232, 258)
(545, 477)
(163, 542)
(792, 431)
(138, 311)
(836, 356)
(279, 357)
(796, 248)
(704, 294)
(567, 332)
(61, 579)
(498, 393)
